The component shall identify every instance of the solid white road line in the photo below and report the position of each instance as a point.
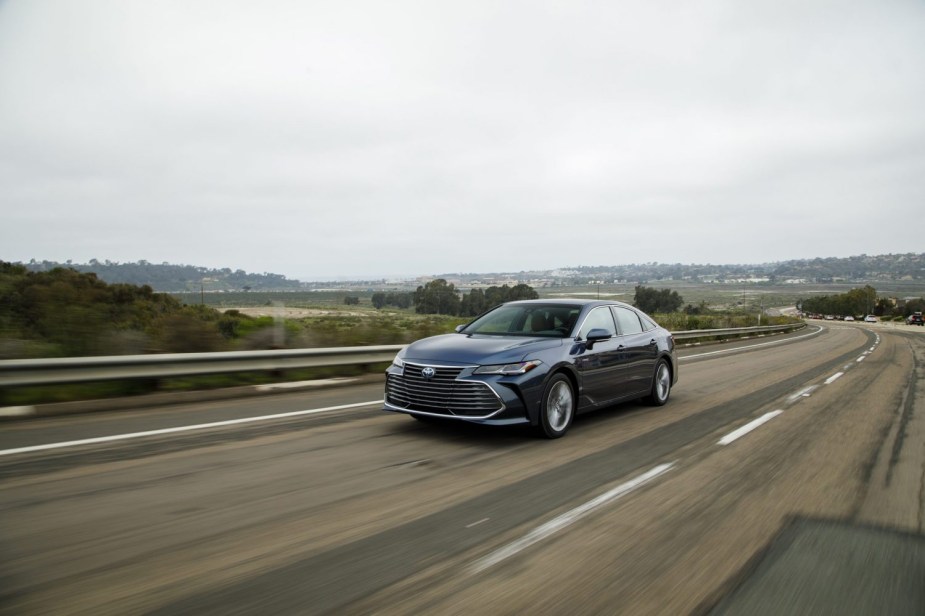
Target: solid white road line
(214, 424)
(568, 518)
(737, 434)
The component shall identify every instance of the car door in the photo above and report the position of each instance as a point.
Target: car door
(600, 363)
(640, 349)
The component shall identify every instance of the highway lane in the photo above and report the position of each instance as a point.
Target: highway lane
(360, 511)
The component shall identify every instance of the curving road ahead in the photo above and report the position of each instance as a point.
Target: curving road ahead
(785, 474)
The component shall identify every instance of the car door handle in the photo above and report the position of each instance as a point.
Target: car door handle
(652, 342)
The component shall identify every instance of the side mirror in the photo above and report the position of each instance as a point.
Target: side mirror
(459, 328)
(596, 335)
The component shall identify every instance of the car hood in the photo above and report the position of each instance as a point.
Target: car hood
(474, 349)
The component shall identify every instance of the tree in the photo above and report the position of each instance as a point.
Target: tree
(700, 308)
(657, 301)
(473, 303)
(914, 305)
(884, 307)
(522, 291)
(437, 297)
(398, 300)
(476, 301)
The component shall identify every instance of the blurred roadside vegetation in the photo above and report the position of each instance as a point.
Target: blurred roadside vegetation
(66, 313)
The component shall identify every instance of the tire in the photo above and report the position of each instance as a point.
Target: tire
(557, 407)
(661, 385)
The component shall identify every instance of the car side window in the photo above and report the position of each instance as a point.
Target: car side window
(647, 323)
(628, 320)
(599, 318)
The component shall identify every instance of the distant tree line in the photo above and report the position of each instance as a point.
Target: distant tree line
(441, 297)
(860, 301)
(477, 301)
(855, 302)
(391, 298)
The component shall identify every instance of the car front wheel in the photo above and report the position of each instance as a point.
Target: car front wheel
(558, 407)
(661, 384)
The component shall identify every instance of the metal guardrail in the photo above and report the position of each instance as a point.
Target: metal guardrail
(23, 372)
(18, 372)
(735, 331)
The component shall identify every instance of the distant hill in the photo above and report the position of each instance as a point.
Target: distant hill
(862, 268)
(909, 266)
(168, 278)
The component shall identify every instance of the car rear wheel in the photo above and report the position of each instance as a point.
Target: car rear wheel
(661, 385)
(558, 407)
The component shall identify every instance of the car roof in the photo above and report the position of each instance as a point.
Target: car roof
(569, 302)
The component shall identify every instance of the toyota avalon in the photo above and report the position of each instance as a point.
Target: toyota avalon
(536, 362)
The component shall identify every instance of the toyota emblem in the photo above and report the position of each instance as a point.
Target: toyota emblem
(428, 373)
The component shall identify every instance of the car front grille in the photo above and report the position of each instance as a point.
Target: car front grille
(441, 394)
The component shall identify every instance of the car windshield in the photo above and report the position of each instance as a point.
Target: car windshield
(547, 320)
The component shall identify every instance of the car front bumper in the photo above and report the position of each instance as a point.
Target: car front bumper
(461, 395)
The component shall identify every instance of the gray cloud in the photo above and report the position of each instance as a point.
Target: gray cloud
(359, 138)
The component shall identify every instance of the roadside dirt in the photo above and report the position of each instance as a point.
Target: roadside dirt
(293, 313)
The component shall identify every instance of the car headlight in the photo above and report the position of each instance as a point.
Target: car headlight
(509, 369)
(398, 361)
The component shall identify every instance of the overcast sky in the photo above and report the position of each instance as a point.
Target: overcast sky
(341, 138)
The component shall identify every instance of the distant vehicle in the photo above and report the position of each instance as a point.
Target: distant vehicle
(849, 318)
(915, 319)
(536, 362)
(830, 317)
(870, 319)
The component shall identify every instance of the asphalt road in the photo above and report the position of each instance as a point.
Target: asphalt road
(767, 457)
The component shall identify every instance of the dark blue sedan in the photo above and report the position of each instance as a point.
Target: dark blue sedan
(537, 362)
